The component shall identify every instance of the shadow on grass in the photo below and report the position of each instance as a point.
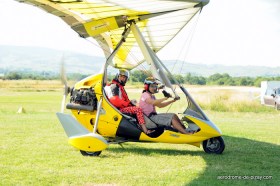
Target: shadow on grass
(242, 162)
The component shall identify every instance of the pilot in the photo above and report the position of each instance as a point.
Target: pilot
(118, 97)
(148, 102)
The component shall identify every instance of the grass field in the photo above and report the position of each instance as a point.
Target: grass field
(34, 148)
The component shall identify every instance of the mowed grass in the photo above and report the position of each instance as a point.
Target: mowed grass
(34, 148)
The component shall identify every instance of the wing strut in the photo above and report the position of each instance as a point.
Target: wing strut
(122, 40)
(109, 60)
(97, 115)
(152, 59)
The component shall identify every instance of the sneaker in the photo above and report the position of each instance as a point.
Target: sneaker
(191, 130)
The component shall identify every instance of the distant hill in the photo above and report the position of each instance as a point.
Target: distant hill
(234, 71)
(19, 58)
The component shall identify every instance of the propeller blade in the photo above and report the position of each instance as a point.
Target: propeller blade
(63, 103)
(62, 72)
(64, 82)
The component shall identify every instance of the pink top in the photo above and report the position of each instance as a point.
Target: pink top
(146, 107)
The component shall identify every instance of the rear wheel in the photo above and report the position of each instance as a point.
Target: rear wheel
(86, 153)
(214, 145)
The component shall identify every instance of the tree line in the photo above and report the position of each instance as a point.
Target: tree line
(15, 75)
(140, 76)
(215, 79)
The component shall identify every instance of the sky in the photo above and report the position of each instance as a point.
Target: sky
(228, 32)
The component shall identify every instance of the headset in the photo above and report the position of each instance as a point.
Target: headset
(146, 87)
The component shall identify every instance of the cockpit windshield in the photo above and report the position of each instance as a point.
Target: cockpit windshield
(193, 109)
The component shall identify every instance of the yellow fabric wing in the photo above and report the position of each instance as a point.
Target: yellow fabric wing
(104, 20)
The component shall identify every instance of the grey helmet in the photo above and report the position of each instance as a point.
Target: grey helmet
(123, 72)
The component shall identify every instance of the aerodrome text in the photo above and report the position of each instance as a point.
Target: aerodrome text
(244, 177)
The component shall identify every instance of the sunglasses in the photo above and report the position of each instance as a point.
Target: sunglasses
(122, 76)
(153, 86)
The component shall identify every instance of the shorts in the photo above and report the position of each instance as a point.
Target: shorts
(164, 119)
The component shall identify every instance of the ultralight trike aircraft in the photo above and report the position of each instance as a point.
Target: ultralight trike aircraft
(130, 34)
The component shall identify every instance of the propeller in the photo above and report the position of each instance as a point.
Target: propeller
(64, 82)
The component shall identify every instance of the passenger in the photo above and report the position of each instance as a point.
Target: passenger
(118, 97)
(148, 102)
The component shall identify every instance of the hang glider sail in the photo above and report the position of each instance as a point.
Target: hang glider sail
(105, 21)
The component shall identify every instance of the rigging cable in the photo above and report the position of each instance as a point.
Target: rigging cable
(186, 48)
(187, 40)
(190, 40)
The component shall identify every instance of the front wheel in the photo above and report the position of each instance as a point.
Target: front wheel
(214, 145)
(86, 153)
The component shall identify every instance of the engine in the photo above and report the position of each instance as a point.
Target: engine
(82, 99)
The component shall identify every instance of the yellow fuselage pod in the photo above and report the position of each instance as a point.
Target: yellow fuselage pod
(109, 118)
(207, 130)
(89, 142)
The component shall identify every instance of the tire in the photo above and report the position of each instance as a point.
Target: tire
(214, 145)
(86, 153)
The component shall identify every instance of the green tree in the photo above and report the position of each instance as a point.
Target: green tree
(245, 81)
(13, 76)
(219, 79)
(138, 76)
(179, 78)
